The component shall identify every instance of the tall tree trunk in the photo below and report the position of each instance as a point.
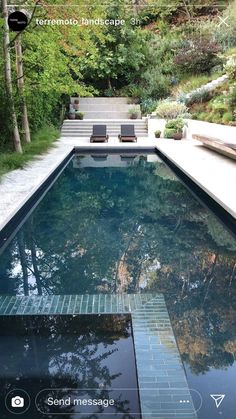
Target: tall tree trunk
(8, 77)
(21, 87)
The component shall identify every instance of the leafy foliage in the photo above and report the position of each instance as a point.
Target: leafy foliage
(198, 55)
(230, 67)
(168, 109)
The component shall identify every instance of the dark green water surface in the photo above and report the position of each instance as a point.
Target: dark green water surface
(123, 225)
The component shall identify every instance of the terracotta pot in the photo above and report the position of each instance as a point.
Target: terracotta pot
(76, 104)
(71, 116)
(178, 136)
(134, 116)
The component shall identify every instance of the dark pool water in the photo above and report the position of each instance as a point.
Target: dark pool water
(128, 225)
(81, 356)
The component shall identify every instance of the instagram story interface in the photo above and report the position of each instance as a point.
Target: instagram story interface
(117, 281)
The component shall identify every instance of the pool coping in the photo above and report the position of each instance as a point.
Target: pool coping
(35, 189)
(161, 376)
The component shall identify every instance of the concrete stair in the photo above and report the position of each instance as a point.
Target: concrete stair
(105, 107)
(77, 128)
(102, 100)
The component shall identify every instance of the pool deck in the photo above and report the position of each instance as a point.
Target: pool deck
(214, 173)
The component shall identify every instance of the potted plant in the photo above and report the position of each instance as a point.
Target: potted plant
(79, 115)
(134, 112)
(157, 133)
(174, 129)
(71, 114)
(76, 104)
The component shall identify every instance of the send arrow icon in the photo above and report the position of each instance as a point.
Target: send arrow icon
(218, 399)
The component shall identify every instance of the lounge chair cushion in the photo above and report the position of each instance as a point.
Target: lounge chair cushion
(99, 131)
(127, 133)
(99, 134)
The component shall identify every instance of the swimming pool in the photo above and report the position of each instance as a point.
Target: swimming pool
(76, 358)
(115, 225)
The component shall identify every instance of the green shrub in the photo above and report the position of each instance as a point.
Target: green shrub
(176, 124)
(6, 125)
(208, 117)
(155, 84)
(133, 112)
(148, 106)
(231, 99)
(157, 133)
(190, 84)
(218, 105)
(227, 117)
(200, 96)
(168, 109)
(230, 67)
(133, 91)
(198, 55)
(226, 35)
(169, 133)
(41, 142)
(216, 118)
(79, 115)
(202, 116)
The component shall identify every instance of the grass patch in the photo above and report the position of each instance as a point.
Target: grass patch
(229, 52)
(192, 83)
(189, 84)
(42, 140)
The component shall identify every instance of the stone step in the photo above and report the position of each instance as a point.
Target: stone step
(111, 134)
(104, 121)
(85, 126)
(104, 100)
(107, 115)
(86, 129)
(89, 131)
(75, 123)
(86, 134)
(106, 107)
(140, 129)
(122, 107)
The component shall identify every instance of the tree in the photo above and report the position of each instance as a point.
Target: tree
(8, 78)
(120, 54)
(20, 80)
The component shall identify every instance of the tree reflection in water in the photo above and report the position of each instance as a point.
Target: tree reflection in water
(133, 229)
(117, 230)
(73, 352)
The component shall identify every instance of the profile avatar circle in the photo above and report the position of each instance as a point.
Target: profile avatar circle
(17, 21)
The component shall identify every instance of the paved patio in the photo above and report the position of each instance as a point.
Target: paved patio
(214, 173)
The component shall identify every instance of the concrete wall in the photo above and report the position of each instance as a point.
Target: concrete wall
(223, 132)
